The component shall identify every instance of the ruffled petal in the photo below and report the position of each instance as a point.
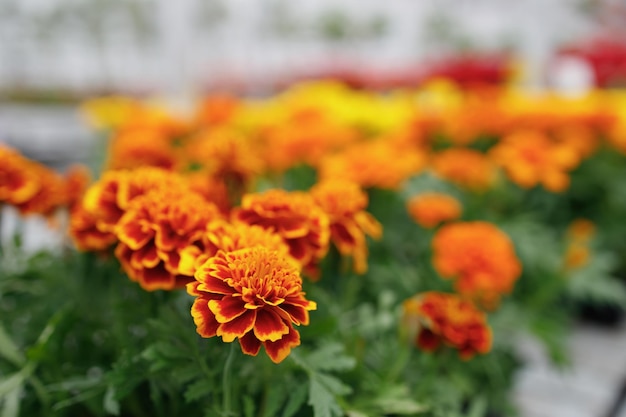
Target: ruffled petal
(280, 349)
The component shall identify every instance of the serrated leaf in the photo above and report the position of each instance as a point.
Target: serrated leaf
(197, 390)
(322, 400)
(110, 403)
(330, 357)
(296, 399)
(334, 385)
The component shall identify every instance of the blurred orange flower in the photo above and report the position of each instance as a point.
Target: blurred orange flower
(50, 195)
(435, 319)
(154, 230)
(530, 158)
(295, 217)
(253, 295)
(374, 164)
(430, 209)
(479, 257)
(76, 179)
(133, 148)
(18, 182)
(344, 202)
(84, 232)
(465, 167)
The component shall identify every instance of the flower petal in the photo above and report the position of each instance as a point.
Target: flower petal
(280, 349)
(250, 345)
(269, 326)
(227, 308)
(206, 325)
(237, 327)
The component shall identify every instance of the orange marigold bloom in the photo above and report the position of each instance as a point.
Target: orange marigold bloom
(374, 164)
(430, 209)
(577, 255)
(50, 195)
(109, 197)
(436, 318)
(581, 230)
(216, 110)
(479, 257)
(213, 189)
(134, 148)
(530, 158)
(77, 179)
(253, 295)
(221, 235)
(154, 230)
(344, 202)
(84, 232)
(18, 182)
(295, 217)
(465, 167)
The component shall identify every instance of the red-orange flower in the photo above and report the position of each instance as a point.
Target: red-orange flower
(84, 232)
(295, 217)
(253, 295)
(436, 319)
(76, 181)
(344, 202)
(465, 167)
(50, 195)
(430, 209)
(154, 230)
(479, 257)
(134, 148)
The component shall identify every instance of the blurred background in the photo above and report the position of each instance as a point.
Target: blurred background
(56, 53)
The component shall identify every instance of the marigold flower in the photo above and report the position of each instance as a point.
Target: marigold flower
(134, 148)
(430, 209)
(50, 195)
(465, 167)
(253, 295)
(581, 230)
(18, 182)
(216, 110)
(436, 319)
(212, 188)
(344, 202)
(76, 179)
(530, 158)
(154, 230)
(84, 232)
(576, 256)
(221, 235)
(373, 164)
(479, 257)
(294, 216)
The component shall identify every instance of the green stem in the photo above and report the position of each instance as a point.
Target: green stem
(226, 381)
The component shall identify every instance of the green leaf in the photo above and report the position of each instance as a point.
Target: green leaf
(296, 399)
(9, 350)
(110, 403)
(322, 400)
(11, 405)
(333, 384)
(197, 390)
(330, 357)
(248, 406)
(276, 396)
(478, 407)
(16, 379)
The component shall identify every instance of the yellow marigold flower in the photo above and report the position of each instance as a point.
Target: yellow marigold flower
(530, 158)
(344, 202)
(221, 235)
(430, 209)
(465, 167)
(434, 319)
(373, 164)
(295, 217)
(153, 232)
(18, 182)
(479, 257)
(253, 295)
(108, 112)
